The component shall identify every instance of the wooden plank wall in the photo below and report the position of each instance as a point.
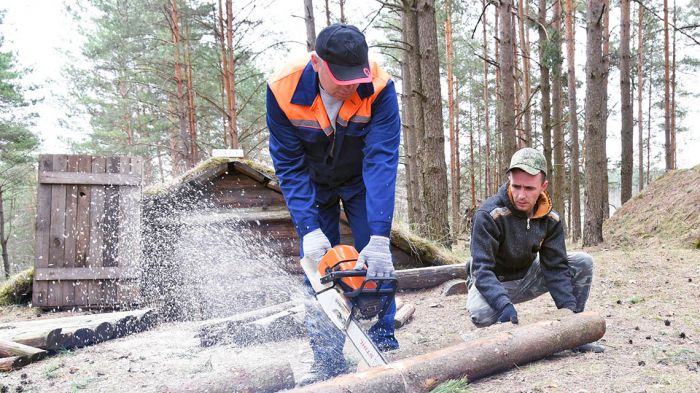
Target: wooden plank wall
(87, 231)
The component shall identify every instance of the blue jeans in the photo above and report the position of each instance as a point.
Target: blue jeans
(325, 339)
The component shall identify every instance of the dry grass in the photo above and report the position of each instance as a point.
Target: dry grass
(664, 214)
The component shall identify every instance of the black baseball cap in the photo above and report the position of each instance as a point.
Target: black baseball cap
(344, 50)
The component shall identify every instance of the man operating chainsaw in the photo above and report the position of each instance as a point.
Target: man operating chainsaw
(518, 251)
(334, 128)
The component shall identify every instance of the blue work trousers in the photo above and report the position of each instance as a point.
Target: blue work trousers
(325, 339)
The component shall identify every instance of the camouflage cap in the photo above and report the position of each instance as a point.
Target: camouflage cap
(529, 160)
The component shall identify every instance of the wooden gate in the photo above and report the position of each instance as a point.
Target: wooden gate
(88, 231)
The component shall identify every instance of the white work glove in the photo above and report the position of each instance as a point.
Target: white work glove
(315, 245)
(377, 257)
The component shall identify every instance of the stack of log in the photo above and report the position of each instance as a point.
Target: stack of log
(29, 341)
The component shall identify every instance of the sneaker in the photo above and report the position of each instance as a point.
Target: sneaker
(318, 374)
(591, 347)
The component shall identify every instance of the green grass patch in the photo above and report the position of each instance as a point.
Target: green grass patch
(453, 386)
(681, 356)
(51, 371)
(635, 299)
(80, 384)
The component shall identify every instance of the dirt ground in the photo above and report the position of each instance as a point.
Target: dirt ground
(650, 299)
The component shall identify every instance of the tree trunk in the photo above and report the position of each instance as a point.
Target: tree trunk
(181, 142)
(673, 93)
(471, 359)
(545, 105)
(596, 163)
(433, 167)
(495, 147)
(606, 63)
(507, 124)
(472, 166)
(575, 220)
(487, 129)
(640, 94)
(451, 116)
(667, 94)
(413, 112)
(328, 14)
(191, 109)
(648, 176)
(231, 71)
(558, 166)
(517, 77)
(225, 83)
(525, 48)
(3, 239)
(627, 130)
(310, 25)
(341, 3)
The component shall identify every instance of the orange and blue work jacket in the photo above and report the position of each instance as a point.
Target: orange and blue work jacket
(306, 151)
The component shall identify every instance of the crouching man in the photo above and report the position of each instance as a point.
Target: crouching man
(518, 250)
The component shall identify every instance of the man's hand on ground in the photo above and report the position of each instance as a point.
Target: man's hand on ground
(377, 256)
(315, 245)
(508, 314)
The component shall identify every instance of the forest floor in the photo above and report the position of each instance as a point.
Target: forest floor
(646, 286)
(648, 297)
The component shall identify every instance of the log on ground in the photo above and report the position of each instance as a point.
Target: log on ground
(426, 277)
(60, 333)
(12, 349)
(279, 326)
(266, 377)
(472, 359)
(13, 363)
(404, 315)
(220, 330)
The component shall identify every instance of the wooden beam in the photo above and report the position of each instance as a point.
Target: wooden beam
(250, 172)
(112, 179)
(84, 273)
(250, 214)
(472, 359)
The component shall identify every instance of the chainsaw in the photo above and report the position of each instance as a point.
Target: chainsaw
(346, 295)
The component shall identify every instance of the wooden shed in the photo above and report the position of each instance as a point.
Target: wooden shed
(225, 194)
